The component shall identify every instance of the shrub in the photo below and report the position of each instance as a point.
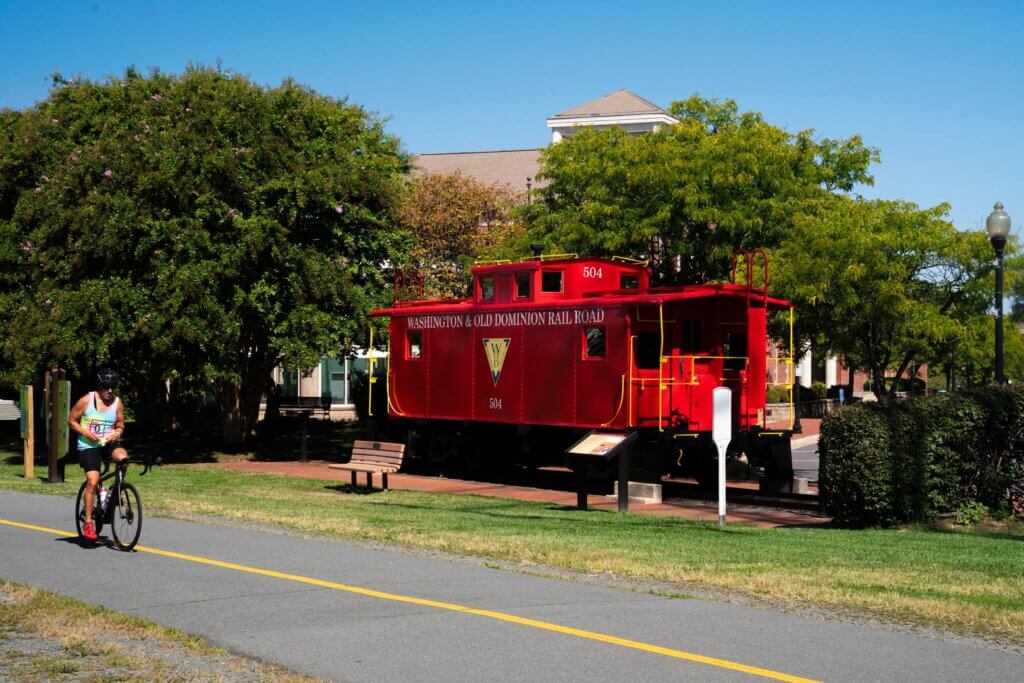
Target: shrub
(910, 460)
(971, 513)
(818, 391)
(777, 395)
(855, 467)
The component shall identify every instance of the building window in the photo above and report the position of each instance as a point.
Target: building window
(595, 339)
(522, 285)
(414, 347)
(487, 288)
(551, 281)
(629, 281)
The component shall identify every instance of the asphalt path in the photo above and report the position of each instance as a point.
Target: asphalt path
(349, 612)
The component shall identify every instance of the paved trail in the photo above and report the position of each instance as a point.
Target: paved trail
(345, 612)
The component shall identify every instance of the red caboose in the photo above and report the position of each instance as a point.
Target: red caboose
(584, 343)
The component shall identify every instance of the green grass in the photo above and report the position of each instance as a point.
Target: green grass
(970, 582)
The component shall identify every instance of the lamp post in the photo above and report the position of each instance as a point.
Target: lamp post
(997, 225)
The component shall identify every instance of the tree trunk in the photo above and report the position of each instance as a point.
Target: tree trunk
(229, 397)
(240, 403)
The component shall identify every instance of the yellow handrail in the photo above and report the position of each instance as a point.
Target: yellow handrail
(371, 378)
(387, 386)
(661, 355)
(491, 261)
(632, 341)
(552, 257)
(627, 259)
(622, 393)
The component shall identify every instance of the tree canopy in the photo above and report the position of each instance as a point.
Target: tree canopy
(454, 219)
(883, 283)
(688, 195)
(196, 228)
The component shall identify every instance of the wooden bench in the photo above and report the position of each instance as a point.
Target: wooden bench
(373, 457)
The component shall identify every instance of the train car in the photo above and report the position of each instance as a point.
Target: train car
(558, 345)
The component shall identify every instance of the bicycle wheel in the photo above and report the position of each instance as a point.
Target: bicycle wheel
(126, 517)
(97, 516)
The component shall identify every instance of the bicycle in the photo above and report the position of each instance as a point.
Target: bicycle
(121, 508)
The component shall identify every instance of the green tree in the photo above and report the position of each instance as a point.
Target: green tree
(688, 195)
(196, 228)
(883, 283)
(454, 220)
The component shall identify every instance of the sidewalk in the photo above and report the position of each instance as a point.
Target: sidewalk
(686, 509)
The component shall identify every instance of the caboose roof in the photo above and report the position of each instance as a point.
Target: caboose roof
(653, 295)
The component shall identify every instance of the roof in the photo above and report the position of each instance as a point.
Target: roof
(508, 167)
(619, 103)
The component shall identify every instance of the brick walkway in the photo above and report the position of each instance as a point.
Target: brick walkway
(687, 509)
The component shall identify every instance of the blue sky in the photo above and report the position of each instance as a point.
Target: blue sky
(937, 86)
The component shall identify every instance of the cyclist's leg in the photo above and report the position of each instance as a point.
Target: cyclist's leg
(89, 459)
(119, 454)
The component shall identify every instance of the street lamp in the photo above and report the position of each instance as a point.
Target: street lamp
(997, 225)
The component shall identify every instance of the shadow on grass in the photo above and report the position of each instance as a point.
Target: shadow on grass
(348, 489)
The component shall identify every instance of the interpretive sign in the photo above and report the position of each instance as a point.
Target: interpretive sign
(605, 446)
(599, 443)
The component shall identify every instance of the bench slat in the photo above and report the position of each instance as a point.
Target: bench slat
(362, 467)
(374, 455)
(380, 446)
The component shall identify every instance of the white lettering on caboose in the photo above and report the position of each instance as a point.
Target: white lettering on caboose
(507, 319)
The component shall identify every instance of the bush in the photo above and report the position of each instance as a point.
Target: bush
(971, 513)
(911, 460)
(817, 391)
(777, 395)
(855, 468)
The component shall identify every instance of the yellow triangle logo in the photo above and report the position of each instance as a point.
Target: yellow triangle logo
(496, 350)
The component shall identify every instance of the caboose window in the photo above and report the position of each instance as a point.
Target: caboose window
(522, 285)
(487, 288)
(594, 337)
(629, 281)
(551, 281)
(735, 351)
(414, 344)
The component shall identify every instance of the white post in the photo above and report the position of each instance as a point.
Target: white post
(721, 434)
(831, 376)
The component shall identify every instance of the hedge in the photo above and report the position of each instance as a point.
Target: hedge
(903, 461)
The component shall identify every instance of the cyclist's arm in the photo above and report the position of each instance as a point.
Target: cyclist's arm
(75, 419)
(119, 423)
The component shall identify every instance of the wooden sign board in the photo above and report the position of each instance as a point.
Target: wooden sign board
(63, 410)
(24, 404)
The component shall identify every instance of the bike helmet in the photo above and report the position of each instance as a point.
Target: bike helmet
(106, 378)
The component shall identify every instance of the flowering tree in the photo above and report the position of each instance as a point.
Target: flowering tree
(454, 220)
(195, 228)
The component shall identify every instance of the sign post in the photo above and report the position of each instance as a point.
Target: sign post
(721, 434)
(59, 395)
(28, 430)
(603, 446)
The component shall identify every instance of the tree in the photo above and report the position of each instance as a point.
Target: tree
(197, 228)
(454, 220)
(883, 283)
(688, 195)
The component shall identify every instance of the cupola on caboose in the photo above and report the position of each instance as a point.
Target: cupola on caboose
(560, 345)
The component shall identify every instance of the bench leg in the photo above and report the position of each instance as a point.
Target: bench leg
(353, 480)
(384, 476)
(369, 480)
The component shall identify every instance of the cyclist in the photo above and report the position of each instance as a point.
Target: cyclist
(98, 419)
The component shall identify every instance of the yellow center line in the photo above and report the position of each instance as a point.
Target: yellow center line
(452, 607)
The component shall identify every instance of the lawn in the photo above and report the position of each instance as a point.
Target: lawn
(968, 582)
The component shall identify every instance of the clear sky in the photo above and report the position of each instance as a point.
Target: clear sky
(937, 86)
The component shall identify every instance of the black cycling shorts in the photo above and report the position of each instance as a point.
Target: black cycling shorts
(91, 458)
